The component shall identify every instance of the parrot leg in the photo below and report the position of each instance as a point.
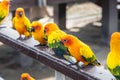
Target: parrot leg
(79, 65)
(20, 38)
(40, 45)
(25, 38)
(75, 64)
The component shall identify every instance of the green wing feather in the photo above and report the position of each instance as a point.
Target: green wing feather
(2, 15)
(54, 39)
(28, 25)
(55, 44)
(115, 72)
(88, 55)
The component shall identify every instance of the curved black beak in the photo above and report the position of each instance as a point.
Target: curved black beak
(32, 29)
(44, 31)
(20, 14)
(61, 42)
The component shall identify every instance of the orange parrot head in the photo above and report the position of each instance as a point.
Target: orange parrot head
(5, 3)
(49, 28)
(115, 41)
(20, 12)
(26, 76)
(36, 26)
(67, 40)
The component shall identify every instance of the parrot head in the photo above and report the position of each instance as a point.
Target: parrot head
(26, 76)
(20, 12)
(49, 28)
(5, 2)
(67, 40)
(115, 41)
(36, 26)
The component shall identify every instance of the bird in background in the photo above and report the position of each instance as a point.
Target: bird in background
(4, 9)
(22, 24)
(113, 58)
(26, 76)
(79, 50)
(38, 32)
(53, 35)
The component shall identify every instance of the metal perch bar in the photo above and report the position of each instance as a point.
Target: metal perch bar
(43, 54)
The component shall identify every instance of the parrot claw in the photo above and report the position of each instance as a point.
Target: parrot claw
(40, 45)
(20, 38)
(71, 59)
(80, 64)
(75, 64)
(25, 38)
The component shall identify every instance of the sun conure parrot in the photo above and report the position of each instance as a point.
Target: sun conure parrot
(53, 35)
(4, 9)
(22, 24)
(79, 50)
(113, 58)
(38, 32)
(26, 76)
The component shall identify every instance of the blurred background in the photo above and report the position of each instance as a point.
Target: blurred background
(83, 19)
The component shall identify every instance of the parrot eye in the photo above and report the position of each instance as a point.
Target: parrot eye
(36, 27)
(45, 30)
(64, 40)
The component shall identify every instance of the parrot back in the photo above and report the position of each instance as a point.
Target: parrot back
(55, 44)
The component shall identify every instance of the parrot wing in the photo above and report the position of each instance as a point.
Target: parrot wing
(88, 55)
(2, 15)
(116, 72)
(13, 21)
(27, 25)
(55, 44)
(4, 10)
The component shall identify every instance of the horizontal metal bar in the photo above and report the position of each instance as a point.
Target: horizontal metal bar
(53, 2)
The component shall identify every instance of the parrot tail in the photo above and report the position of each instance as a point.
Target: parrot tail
(96, 62)
(117, 77)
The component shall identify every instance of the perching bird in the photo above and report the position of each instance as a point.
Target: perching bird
(22, 24)
(26, 76)
(54, 34)
(4, 9)
(79, 50)
(49, 28)
(113, 58)
(38, 32)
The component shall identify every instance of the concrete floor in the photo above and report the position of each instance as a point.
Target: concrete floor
(84, 25)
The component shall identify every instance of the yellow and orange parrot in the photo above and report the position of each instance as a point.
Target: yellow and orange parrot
(79, 50)
(38, 32)
(21, 23)
(26, 76)
(4, 9)
(53, 35)
(113, 58)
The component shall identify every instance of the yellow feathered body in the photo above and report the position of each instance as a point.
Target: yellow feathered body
(81, 51)
(38, 32)
(49, 28)
(21, 23)
(113, 58)
(54, 35)
(4, 9)
(26, 76)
